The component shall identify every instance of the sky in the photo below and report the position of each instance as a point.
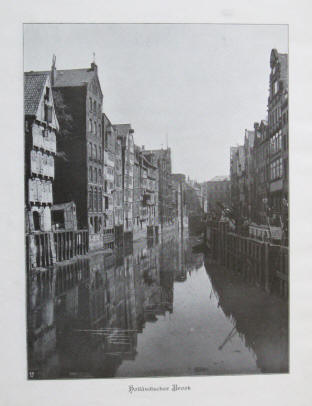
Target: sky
(199, 86)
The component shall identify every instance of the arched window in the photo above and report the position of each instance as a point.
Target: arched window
(95, 127)
(100, 130)
(90, 150)
(95, 205)
(90, 173)
(100, 153)
(94, 106)
(91, 199)
(100, 176)
(95, 176)
(100, 199)
(95, 152)
(90, 126)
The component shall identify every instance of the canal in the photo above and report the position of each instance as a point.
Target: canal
(152, 309)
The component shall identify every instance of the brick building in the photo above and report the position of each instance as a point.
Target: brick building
(41, 127)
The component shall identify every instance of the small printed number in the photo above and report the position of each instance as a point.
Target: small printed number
(31, 374)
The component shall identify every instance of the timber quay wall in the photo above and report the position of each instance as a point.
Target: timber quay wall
(263, 263)
(44, 249)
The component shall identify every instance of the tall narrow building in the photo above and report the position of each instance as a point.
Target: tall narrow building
(79, 171)
(165, 201)
(278, 133)
(125, 135)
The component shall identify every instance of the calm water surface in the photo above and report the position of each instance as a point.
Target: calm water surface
(152, 309)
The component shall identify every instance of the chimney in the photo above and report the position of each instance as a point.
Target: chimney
(53, 71)
(94, 66)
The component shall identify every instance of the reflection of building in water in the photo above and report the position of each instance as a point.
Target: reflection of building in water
(84, 315)
(260, 320)
(52, 292)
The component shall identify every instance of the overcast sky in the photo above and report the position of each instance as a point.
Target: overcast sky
(200, 84)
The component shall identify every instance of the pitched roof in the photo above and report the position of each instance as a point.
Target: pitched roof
(73, 77)
(33, 87)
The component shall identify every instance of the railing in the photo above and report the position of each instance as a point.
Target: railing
(44, 249)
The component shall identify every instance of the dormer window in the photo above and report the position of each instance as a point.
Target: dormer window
(47, 113)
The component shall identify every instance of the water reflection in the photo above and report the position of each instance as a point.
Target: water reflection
(147, 309)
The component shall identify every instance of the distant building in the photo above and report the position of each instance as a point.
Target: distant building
(41, 127)
(165, 209)
(145, 193)
(180, 207)
(125, 135)
(218, 190)
(238, 179)
(249, 173)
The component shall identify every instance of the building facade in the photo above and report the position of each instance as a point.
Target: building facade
(218, 191)
(41, 127)
(165, 202)
(79, 170)
(109, 136)
(125, 135)
(180, 207)
(278, 133)
(261, 162)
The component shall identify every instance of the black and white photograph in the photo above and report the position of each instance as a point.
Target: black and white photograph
(156, 168)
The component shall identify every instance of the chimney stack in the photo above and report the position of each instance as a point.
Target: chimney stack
(53, 71)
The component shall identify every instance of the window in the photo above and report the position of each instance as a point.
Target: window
(95, 127)
(100, 176)
(100, 199)
(94, 106)
(47, 113)
(100, 153)
(95, 152)
(47, 94)
(90, 126)
(90, 103)
(90, 173)
(91, 199)
(95, 202)
(95, 175)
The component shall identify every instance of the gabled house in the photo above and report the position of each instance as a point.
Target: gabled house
(41, 127)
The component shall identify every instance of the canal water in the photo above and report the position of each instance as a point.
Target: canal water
(152, 309)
